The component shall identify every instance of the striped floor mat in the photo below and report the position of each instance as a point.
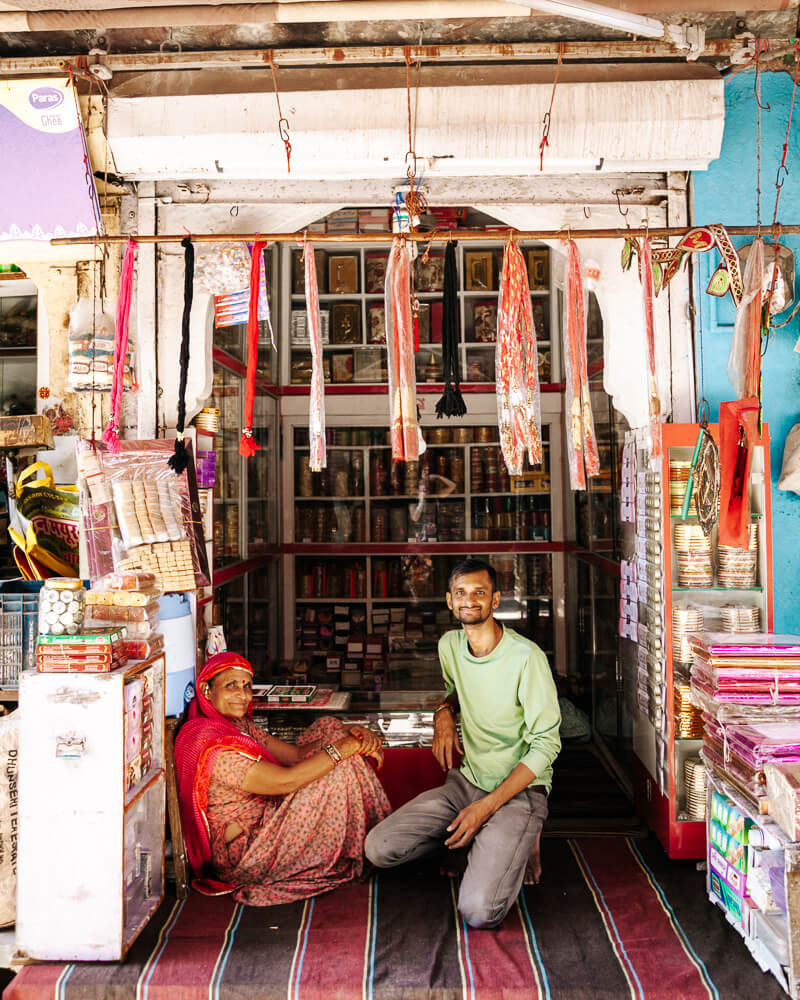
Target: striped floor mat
(612, 918)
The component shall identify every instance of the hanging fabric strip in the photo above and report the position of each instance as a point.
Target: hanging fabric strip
(179, 460)
(646, 277)
(516, 366)
(111, 433)
(451, 403)
(700, 240)
(318, 459)
(248, 445)
(407, 443)
(744, 359)
(584, 459)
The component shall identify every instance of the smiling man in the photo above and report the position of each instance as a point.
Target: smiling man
(496, 802)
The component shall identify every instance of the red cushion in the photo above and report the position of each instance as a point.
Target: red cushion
(407, 771)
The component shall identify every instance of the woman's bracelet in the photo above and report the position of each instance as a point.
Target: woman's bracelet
(333, 753)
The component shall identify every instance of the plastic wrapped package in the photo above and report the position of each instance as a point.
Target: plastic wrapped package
(783, 789)
(96, 614)
(91, 347)
(153, 521)
(141, 649)
(128, 581)
(122, 598)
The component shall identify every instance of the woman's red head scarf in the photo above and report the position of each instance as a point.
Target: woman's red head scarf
(206, 733)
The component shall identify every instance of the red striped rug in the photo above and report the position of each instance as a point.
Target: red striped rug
(612, 918)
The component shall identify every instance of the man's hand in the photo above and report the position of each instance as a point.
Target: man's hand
(445, 739)
(467, 823)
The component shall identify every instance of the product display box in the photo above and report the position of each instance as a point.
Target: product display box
(430, 273)
(346, 323)
(376, 273)
(478, 270)
(299, 327)
(539, 270)
(290, 694)
(299, 274)
(342, 274)
(727, 891)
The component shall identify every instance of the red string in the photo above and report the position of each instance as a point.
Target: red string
(547, 118)
(248, 445)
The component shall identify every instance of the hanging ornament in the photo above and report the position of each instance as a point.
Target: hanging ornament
(516, 365)
(179, 460)
(407, 442)
(248, 445)
(584, 459)
(451, 403)
(318, 458)
(111, 433)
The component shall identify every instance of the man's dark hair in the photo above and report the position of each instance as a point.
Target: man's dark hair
(471, 565)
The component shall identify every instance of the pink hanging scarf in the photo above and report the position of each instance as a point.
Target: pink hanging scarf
(318, 458)
(248, 445)
(584, 459)
(407, 443)
(646, 276)
(111, 433)
(517, 370)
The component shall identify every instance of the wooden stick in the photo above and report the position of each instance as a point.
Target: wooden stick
(441, 236)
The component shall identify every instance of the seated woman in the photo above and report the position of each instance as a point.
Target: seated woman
(271, 821)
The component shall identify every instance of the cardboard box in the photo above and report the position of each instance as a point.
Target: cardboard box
(34, 431)
(342, 274)
(728, 898)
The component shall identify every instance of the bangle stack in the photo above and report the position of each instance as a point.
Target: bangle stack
(333, 753)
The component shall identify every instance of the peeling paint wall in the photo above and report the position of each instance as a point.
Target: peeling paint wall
(726, 193)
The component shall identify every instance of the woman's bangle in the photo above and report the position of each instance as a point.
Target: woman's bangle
(445, 705)
(333, 753)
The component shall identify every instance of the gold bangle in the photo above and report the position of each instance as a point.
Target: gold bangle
(333, 753)
(445, 705)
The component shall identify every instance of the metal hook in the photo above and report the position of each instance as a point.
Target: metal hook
(617, 192)
(234, 211)
(587, 212)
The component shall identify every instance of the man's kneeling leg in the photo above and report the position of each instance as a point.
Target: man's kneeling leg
(497, 860)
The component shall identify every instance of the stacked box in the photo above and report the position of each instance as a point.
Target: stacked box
(93, 653)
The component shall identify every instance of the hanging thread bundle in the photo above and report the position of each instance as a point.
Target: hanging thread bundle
(584, 459)
(318, 458)
(407, 443)
(111, 433)
(451, 403)
(517, 366)
(248, 445)
(179, 459)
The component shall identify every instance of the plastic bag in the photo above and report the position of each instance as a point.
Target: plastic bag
(223, 268)
(44, 524)
(91, 347)
(790, 470)
(116, 535)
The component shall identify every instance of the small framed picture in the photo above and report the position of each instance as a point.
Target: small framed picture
(299, 272)
(539, 270)
(479, 270)
(484, 322)
(346, 323)
(342, 367)
(376, 332)
(430, 273)
(342, 275)
(376, 272)
(424, 319)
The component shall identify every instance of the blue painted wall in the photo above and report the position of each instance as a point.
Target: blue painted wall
(726, 193)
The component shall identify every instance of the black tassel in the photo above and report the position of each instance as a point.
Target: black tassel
(179, 460)
(451, 403)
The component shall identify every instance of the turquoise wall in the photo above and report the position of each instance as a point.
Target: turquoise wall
(726, 193)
